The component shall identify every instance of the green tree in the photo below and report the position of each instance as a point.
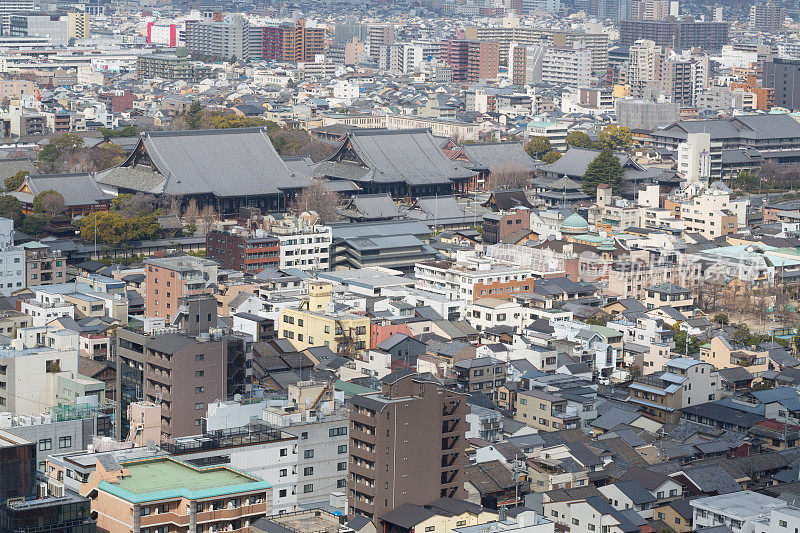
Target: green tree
(50, 202)
(194, 116)
(11, 208)
(605, 168)
(35, 225)
(634, 371)
(59, 147)
(614, 137)
(681, 337)
(538, 146)
(127, 131)
(13, 183)
(721, 318)
(579, 139)
(551, 157)
(115, 228)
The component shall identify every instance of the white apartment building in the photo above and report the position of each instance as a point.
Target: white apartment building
(12, 260)
(644, 63)
(698, 158)
(24, 385)
(568, 65)
(46, 307)
(304, 243)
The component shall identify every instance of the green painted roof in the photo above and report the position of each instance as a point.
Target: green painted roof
(351, 389)
(165, 478)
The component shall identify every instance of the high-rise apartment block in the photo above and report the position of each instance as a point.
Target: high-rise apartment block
(471, 60)
(292, 43)
(223, 39)
(171, 278)
(679, 35)
(766, 17)
(407, 445)
(650, 10)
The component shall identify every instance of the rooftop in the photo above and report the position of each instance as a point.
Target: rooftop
(160, 478)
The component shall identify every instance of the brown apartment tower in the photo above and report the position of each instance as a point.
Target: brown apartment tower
(407, 445)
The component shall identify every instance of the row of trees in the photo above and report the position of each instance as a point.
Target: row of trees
(67, 153)
(286, 141)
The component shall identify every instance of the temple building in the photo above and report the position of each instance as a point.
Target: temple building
(404, 163)
(225, 169)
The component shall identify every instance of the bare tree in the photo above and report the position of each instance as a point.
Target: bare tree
(138, 204)
(508, 176)
(208, 215)
(49, 202)
(317, 198)
(171, 204)
(192, 213)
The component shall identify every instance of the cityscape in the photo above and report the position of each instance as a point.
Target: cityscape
(399, 266)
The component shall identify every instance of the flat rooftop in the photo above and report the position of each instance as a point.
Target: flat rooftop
(164, 477)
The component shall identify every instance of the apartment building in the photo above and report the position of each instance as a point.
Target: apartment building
(26, 376)
(304, 242)
(525, 62)
(567, 65)
(181, 374)
(744, 511)
(292, 43)
(169, 278)
(721, 354)
(713, 213)
(668, 294)
(223, 39)
(784, 76)
(766, 17)
(650, 10)
(471, 60)
(165, 494)
(388, 468)
(244, 250)
(12, 260)
(684, 382)
(315, 323)
(43, 266)
(545, 411)
(171, 68)
(680, 35)
(484, 374)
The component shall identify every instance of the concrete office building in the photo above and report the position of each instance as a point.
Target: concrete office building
(387, 467)
(784, 76)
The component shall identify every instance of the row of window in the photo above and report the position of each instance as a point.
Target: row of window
(47, 444)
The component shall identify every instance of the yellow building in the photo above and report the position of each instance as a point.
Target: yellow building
(78, 25)
(544, 411)
(315, 323)
(721, 354)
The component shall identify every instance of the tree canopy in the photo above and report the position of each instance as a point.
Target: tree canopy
(605, 168)
(49, 202)
(614, 137)
(116, 228)
(538, 146)
(551, 157)
(11, 208)
(13, 183)
(579, 139)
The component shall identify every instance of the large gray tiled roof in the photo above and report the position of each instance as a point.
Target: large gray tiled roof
(410, 156)
(77, 189)
(232, 162)
(500, 157)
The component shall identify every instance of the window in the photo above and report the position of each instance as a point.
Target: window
(45, 444)
(430, 528)
(284, 452)
(342, 448)
(282, 493)
(341, 483)
(199, 406)
(284, 472)
(591, 527)
(661, 516)
(554, 513)
(335, 432)
(308, 488)
(576, 522)
(782, 523)
(304, 435)
(199, 390)
(308, 471)
(341, 466)
(199, 373)
(308, 454)
(64, 442)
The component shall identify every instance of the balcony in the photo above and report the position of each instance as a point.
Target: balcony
(449, 459)
(449, 443)
(449, 426)
(156, 520)
(232, 513)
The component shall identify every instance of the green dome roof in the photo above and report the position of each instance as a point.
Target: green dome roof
(575, 223)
